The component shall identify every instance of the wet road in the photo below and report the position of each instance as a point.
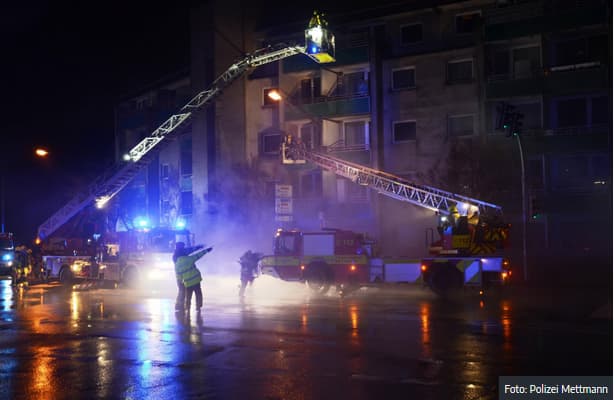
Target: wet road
(282, 343)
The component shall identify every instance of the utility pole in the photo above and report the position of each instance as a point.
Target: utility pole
(524, 206)
(511, 122)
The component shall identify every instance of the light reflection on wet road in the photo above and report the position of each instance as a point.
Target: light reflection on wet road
(281, 343)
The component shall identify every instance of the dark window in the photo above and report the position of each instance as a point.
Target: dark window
(601, 167)
(460, 71)
(270, 143)
(267, 100)
(308, 136)
(164, 171)
(186, 157)
(310, 89)
(404, 131)
(411, 33)
(355, 133)
(582, 50)
(312, 184)
(526, 61)
(467, 23)
(600, 110)
(403, 78)
(463, 125)
(186, 203)
(571, 112)
(500, 62)
(531, 113)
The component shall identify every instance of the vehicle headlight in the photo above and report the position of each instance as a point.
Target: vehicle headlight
(7, 257)
(76, 267)
(102, 267)
(157, 275)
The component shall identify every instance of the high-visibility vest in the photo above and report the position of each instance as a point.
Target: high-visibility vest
(186, 270)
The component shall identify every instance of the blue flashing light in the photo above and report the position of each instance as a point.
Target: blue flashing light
(7, 257)
(180, 224)
(313, 49)
(141, 222)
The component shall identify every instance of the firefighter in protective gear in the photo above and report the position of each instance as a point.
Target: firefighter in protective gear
(186, 271)
(249, 269)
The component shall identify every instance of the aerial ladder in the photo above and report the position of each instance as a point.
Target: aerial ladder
(319, 46)
(387, 184)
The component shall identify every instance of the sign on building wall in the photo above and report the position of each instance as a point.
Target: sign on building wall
(284, 203)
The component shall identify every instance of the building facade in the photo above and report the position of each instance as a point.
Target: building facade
(414, 92)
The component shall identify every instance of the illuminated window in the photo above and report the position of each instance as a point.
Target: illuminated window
(268, 101)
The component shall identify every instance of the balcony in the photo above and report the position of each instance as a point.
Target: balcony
(591, 76)
(526, 19)
(329, 107)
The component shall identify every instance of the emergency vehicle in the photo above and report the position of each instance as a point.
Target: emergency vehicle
(118, 258)
(7, 253)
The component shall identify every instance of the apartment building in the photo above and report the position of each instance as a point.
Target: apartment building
(414, 92)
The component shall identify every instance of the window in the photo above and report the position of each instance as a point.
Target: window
(186, 156)
(356, 133)
(459, 71)
(571, 112)
(186, 202)
(526, 61)
(582, 50)
(460, 125)
(270, 143)
(164, 172)
(311, 184)
(468, 22)
(267, 100)
(404, 131)
(411, 34)
(403, 78)
(308, 134)
(600, 110)
(310, 89)
(353, 83)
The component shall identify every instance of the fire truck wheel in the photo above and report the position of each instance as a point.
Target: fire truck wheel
(318, 279)
(66, 276)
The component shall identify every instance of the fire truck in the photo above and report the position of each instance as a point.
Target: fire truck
(470, 250)
(347, 260)
(7, 253)
(126, 257)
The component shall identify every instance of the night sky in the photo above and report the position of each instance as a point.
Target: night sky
(64, 68)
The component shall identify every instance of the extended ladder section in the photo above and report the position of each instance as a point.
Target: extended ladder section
(397, 187)
(116, 178)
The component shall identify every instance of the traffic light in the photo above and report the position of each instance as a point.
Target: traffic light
(516, 124)
(504, 115)
(536, 207)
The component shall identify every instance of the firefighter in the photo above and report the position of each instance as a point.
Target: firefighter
(181, 250)
(186, 271)
(248, 270)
